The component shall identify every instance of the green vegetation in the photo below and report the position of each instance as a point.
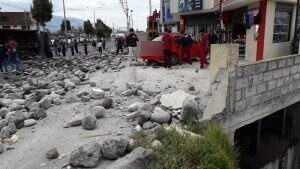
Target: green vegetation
(102, 30)
(211, 150)
(42, 11)
(88, 27)
(62, 25)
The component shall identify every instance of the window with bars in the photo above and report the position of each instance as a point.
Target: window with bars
(282, 23)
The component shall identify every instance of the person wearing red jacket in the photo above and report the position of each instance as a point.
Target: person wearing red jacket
(203, 47)
(11, 50)
(167, 46)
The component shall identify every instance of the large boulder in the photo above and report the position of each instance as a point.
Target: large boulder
(14, 107)
(98, 111)
(16, 117)
(114, 148)
(86, 156)
(160, 116)
(3, 112)
(89, 122)
(52, 154)
(12, 128)
(137, 159)
(191, 109)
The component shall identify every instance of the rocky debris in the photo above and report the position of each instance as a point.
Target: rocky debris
(29, 122)
(190, 109)
(149, 125)
(69, 84)
(1, 148)
(144, 113)
(16, 117)
(160, 116)
(131, 145)
(4, 133)
(45, 103)
(86, 156)
(38, 114)
(15, 107)
(85, 98)
(97, 93)
(134, 107)
(52, 154)
(114, 148)
(191, 88)
(2, 124)
(156, 143)
(98, 111)
(89, 122)
(12, 128)
(3, 112)
(107, 103)
(83, 93)
(77, 120)
(93, 84)
(137, 159)
(174, 100)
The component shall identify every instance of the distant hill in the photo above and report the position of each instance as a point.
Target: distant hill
(54, 24)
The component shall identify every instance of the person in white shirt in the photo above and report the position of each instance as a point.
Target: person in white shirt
(99, 45)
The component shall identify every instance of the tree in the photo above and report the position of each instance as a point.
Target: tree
(62, 25)
(42, 11)
(88, 27)
(102, 30)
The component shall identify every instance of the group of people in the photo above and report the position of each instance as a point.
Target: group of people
(9, 55)
(186, 43)
(61, 47)
(131, 42)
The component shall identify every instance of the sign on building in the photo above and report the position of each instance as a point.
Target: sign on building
(168, 17)
(190, 5)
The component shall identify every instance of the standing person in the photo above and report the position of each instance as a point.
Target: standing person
(59, 47)
(167, 46)
(63, 47)
(186, 43)
(3, 57)
(56, 44)
(11, 49)
(132, 43)
(119, 45)
(103, 43)
(203, 47)
(85, 45)
(99, 45)
(72, 47)
(76, 45)
(94, 44)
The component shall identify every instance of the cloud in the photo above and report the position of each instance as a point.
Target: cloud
(107, 10)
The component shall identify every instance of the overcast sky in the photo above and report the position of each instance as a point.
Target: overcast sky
(109, 10)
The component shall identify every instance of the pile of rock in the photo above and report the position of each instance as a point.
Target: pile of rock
(90, 155)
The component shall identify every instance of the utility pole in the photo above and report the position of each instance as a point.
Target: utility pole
(131, 19)
(65, 20)
(150, 7)
(94, 19)
(296, 26)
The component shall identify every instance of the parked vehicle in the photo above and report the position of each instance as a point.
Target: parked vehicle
(152, 51)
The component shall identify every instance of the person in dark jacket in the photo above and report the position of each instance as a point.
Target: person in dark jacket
(3, 56)
(72, 47)
(186, 43)
(63, 47)
(132, 40)
(12, 52)
(119, 44)
(103, 43)
(167, 46)
(76, 46)
(85, 47)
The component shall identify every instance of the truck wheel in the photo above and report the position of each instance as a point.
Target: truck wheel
(174, 59)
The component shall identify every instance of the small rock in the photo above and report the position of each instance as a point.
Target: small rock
(89, 122)
(93, 84)
(107, 103)
(138, 128)
(15, 107)
(190, 109)
(77, 120)
(1, 148)
(82, 93)
(4, 133)
(98, 111)
(114, 148)
(39, 113)
(57, 101)
(86, 156)
(97, 93)
(2, 124)
(134, 107)
(29, 122)
(85, 98)
(137, 159)
(3, 112)
(16, 117)
(160, 116)
(52, 154)
(69, 84)
(45, 103)
(156, 143)
(191, 88)
(12, 128)
(148, 125)
(131, 145)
